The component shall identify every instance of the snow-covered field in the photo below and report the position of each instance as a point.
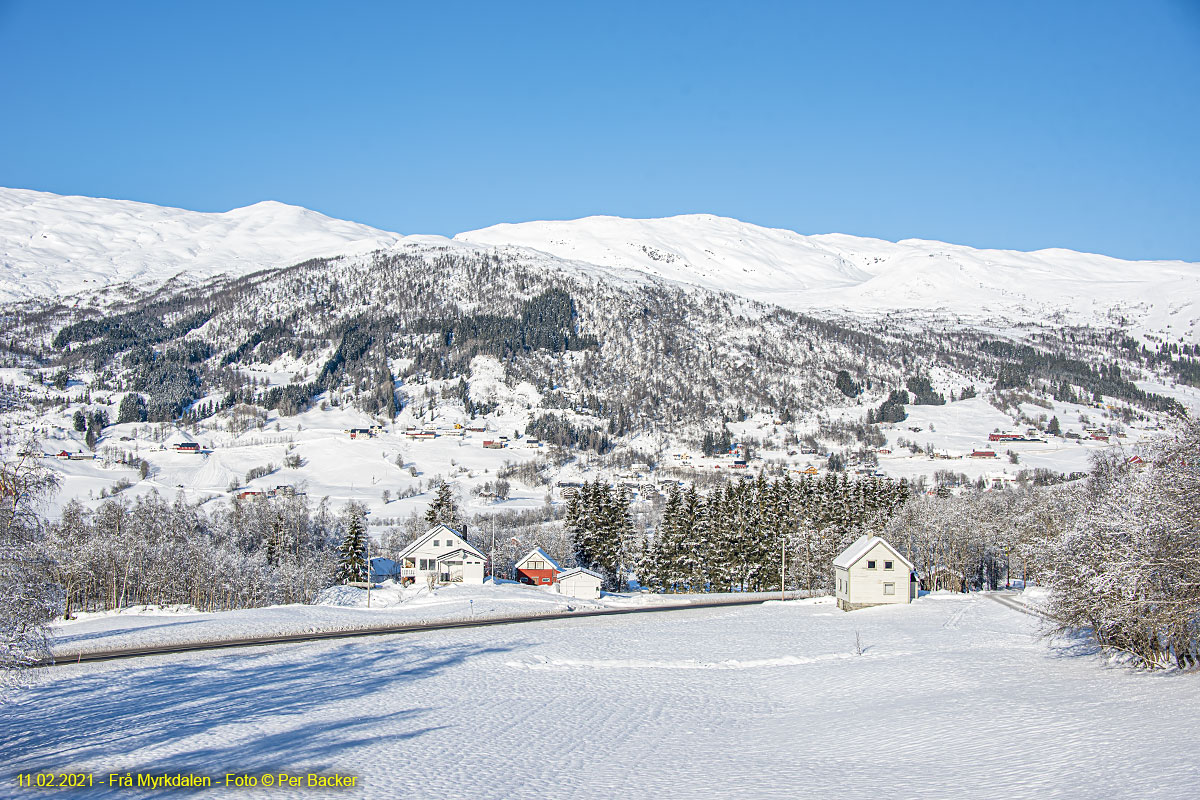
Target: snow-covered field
(952, 696)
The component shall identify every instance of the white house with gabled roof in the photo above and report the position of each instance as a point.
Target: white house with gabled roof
(871, 572)
(444, 554)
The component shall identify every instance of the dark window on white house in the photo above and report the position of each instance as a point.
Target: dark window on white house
(887, 565)
(870, 565)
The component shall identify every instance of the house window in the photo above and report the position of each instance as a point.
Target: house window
(436, 543)
(887, 565)
(870, 565)
(424, 563)
(537, 565)
(889, 588)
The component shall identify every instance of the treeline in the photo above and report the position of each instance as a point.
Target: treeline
(1128, 569)
(150, 551)
(557, 430)
(735, 537)
(1021, 365)
(599, 523)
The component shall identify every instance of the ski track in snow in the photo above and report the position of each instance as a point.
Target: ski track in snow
(642, 707)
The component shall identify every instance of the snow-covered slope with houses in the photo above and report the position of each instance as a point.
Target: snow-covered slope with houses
(849, 274)
(53, 244)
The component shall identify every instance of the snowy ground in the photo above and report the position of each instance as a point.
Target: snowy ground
(952, 696)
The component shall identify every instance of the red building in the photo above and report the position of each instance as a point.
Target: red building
(537, 569)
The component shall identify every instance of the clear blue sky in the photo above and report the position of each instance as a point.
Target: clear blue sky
(1013, 124)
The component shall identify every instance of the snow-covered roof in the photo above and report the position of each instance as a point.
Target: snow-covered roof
(437, 531)
(861, 547)
(465, 550)
(580, 571)
(538, 552)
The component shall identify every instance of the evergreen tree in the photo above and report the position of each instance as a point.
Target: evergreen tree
(443, 510)
(132, 409)
(601, 531)
(79, 422)
(352, 555)
(847, 385)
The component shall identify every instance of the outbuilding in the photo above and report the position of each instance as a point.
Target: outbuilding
(579, 582)
(537, 568)
(871, 572)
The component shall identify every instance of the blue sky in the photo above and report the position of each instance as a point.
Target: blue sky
(1015, 124)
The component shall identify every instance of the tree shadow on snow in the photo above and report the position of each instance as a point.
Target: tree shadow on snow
(1080, 644)
(62, 646)
(96, 716)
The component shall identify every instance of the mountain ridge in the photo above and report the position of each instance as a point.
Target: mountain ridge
(62, 244)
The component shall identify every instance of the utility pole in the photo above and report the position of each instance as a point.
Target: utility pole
(782, 565)
(493, 556)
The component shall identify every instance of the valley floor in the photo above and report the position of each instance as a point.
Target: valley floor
(954, 695)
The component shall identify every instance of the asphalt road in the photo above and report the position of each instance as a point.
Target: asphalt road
(381, 630)
(1004, 599)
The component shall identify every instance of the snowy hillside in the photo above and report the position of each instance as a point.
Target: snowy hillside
(844, 273)
(53, 244)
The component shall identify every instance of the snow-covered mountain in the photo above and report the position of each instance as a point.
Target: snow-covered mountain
(54, 244)
(855, 274)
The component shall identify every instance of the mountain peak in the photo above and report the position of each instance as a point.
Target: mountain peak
(58, 244)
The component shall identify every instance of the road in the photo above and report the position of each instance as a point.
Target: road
(384, 630)
(1004, 598)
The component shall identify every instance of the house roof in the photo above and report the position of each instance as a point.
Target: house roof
(538, 552)
(861, 547)
(466, 550)
(578, 571)
(437, 531)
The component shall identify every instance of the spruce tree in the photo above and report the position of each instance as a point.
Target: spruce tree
(352, 555)
(443, 510)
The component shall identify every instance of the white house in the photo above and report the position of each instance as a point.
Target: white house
(871, 572)
(443, 553)
(579, 582)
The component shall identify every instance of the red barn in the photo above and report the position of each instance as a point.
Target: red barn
(537, 569)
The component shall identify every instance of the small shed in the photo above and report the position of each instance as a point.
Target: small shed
(537, 568)
(871, 572)
(579, 582)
